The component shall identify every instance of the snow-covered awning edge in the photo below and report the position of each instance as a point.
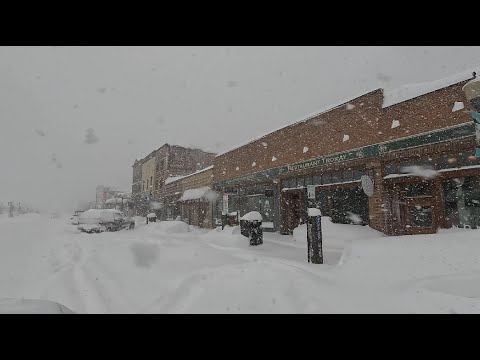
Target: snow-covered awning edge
(204, 192)
(303, 119)
(411, 91)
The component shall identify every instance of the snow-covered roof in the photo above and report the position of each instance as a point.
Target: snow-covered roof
(391, 97)
(303, 119)
(199, 193)
(410, 91)
(172, 179)
(150, 215)
(176, 178)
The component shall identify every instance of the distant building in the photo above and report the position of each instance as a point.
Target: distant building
(103, 193)
(150, 173)
(192, 199)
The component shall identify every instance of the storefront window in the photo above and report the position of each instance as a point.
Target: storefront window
(317, 180)
(300, 182)
(308, 181)
(347, 175)
(420, 216)
(322, 201)
(423, 188)
(391, 168)
(462, 201)
(289, 183)
(326, 179)
(336, 177)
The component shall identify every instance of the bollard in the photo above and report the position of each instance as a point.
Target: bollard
(314, 236)
(256, 232)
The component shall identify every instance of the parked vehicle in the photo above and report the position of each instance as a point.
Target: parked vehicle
(100, 220)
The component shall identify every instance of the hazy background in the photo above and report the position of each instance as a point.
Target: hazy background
(72, 118)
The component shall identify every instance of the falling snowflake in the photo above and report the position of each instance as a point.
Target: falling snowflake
(274, 158)
(350, 106)
(395, 123)
(237, 168)
(346, 137)
(254, 163)
(305, 149)
(264, 144)
(458, 106)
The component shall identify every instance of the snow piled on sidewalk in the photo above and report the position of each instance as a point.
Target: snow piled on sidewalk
(171, 267)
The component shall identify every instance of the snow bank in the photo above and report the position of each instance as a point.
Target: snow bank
(32, 306)
(169, 227)
(252, 216)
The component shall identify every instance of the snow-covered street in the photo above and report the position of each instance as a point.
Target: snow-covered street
(171, 267)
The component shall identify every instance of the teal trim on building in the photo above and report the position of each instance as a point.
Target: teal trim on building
(370, 151)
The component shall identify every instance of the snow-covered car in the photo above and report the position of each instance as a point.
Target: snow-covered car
(74, 218)
(32, 306)
(100, 220)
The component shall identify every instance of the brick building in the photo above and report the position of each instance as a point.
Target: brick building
(150, 173)
(418, 150)
(191, 198)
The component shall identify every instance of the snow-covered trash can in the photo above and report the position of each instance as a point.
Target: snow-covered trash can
(152, 217)
(252, 227)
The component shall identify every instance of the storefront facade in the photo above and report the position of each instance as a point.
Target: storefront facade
(418, 153)
(190, 198)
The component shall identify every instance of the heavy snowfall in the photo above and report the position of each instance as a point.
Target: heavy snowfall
(171, 267)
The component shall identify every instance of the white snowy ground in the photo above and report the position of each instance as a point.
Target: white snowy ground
(170, 267)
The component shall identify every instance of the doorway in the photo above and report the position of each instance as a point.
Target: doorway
(293, 210)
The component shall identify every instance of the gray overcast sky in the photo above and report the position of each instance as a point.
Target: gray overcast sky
(75, 117)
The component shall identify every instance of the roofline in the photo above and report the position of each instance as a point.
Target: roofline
(195, 173)
(305, 118)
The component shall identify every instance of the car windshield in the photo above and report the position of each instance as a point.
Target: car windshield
(240, 179)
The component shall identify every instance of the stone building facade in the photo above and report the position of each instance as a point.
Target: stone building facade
(151, 172)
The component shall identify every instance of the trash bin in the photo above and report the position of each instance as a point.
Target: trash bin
(152, 217)
(245, 228)
(251, 227)
(256, 232)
